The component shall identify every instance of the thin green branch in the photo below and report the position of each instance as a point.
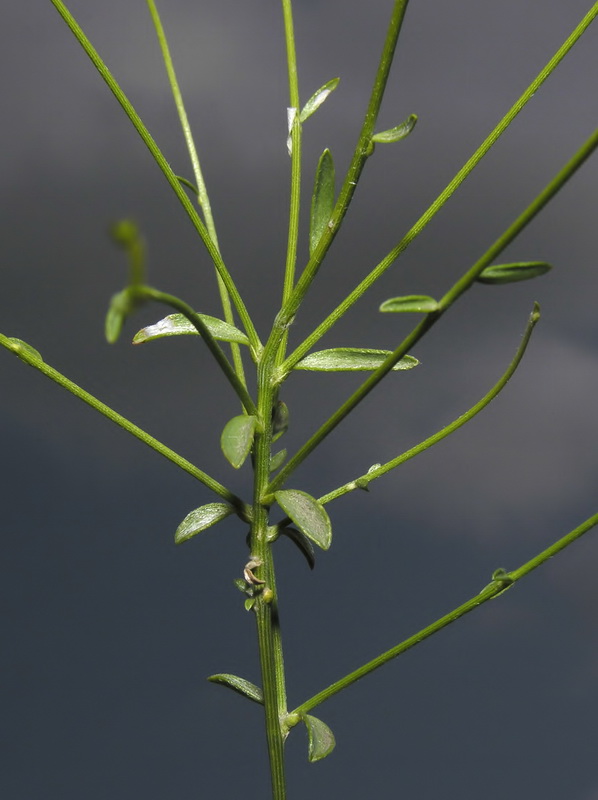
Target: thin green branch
(449, 298)
(27, 354)
(149, 293)
(442, 198)
(363, 481)
(202, 192)
(360, 155)
(164, 166)
(501, 580)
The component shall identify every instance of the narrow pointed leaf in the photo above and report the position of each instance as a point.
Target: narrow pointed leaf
(240, 685)
(322, 201)
(509, 273)
(317, 98)
(20, 347)
(321, 740)
(396, 133)
(418, 303)
(237, 439)
(178, 324)
(303, 544)
(308, 515)
(120, 307)
(200, 519)
(341, 359)
(277, 460)
(280, 420)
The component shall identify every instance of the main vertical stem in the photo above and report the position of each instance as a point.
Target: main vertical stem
(266, 606)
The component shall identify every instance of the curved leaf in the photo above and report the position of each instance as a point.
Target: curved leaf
(240, 685)
(321, 740)
(308, 515)
(317, 98)
(19, 347)
(303, 544)
(396, 133)
(178, 324)
(237, 439)
(277, 460)
(120, 307)
(322, 201)
(341, 359)
(200, 519)
(509, 273)
(419, 303)
(280, 420)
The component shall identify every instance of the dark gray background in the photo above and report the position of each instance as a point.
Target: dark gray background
(109, 630)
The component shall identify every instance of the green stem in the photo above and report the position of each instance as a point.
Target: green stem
(164, 166)
(360, 155)
(449, 298)
(295, 132)
(241, 508)
(363, 481)
(147, 292)
(501, 581)
(202, 192)
(266, 612)
(442, 198)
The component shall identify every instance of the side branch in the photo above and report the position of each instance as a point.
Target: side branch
(501, 580)
(29, 355)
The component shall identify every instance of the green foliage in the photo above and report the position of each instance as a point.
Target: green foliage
(265, 418)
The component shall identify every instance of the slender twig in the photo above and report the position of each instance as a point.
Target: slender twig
(202, 192)
(241, 508)
(164, 166)
(363, 481)
(442, 198)
(501, 580)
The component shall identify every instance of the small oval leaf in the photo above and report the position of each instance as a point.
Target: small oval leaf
(21, 348)
(341, 359)
(322, 201)
(277, 460)
(509, 273)
(280, 420)
(303, 544)
(120, 307)
(200, 519)
(418, 303)
(240, 685)
(317, 98)
(321, 740)
(396, 133)
(237, 439)
(178, 324)
(308, 515)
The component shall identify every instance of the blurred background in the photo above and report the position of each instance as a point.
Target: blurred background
(109, 630)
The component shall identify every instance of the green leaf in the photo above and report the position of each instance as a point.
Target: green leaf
(120, 307)
(341, 359)
(20, 348)
(419, 303)
(240, 685)
(509, 273)
(237, 439)
(249, 603)
(280, 420)
(320, 737)
(200, 519)
(178, 324)
(322, 201)
(277, 460)
(308, 515)
(303, 544)
(396, 133)
(316, 100)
